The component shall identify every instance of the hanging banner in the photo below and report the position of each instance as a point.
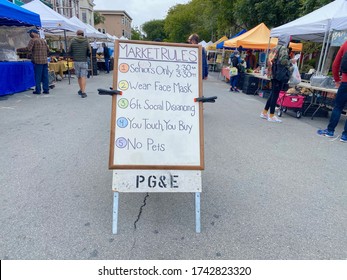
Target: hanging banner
(338, 38)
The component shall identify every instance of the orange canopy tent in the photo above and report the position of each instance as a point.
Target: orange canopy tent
(257, 39)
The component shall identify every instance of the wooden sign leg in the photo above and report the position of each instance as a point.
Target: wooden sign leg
(115, 213)
(197, 213)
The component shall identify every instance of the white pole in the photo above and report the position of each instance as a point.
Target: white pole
(323, 48)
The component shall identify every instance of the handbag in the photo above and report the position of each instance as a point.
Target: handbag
(233, 71)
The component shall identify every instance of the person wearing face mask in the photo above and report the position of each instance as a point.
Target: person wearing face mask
(278, 59)
(39, 53)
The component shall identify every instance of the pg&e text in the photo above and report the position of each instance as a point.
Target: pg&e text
(163, 181)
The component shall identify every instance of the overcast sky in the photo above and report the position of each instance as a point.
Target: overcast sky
(139, 10)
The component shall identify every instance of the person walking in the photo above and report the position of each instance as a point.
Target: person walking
(106, 57)
(235, 62)
(39, 53)
(279, 71)
(194, 39)
(340, 63)
(79, 50)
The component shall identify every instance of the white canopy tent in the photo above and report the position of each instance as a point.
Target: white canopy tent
(317, 26)
(50, 20)
(203, 43)
(313, 26)
(90, 31)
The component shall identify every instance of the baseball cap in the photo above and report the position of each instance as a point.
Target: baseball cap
(34, 31)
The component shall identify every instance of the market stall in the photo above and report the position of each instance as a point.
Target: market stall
(15, 75)
(319, 26)
(53, 22)
(60, 66)
(214, 56)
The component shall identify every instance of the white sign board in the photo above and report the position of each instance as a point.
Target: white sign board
(156, 123)
(156, 181)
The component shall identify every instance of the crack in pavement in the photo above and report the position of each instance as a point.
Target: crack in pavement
(139, 215)
(138, 218)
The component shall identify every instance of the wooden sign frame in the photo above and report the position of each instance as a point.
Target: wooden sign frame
(115, 98)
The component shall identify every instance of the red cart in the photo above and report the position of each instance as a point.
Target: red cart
(294, 102)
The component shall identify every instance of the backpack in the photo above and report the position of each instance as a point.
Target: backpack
(344, 63)
(280, 72)
(235, 63)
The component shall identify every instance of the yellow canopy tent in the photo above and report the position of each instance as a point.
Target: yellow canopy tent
(214, 45)
(258, 39)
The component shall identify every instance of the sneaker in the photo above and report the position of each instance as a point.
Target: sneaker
(83, 95)
(343, 138)
(236, 90)
(231, 89)
(35, 92)
(274, 119)
(325, 132)
(263, 116)
(80, 92)
(46, 92)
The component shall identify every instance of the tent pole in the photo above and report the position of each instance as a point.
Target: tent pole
(323, 48)
(326, 51)
(299, 60)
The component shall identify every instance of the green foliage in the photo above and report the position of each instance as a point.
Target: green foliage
(98, 18)
(154, 29)
(135, 34)
(178, 23)
(311, 47)
(308, 6)
(273, 13)
(312, 62)
(214, 18)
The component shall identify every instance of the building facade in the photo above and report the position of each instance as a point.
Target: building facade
(116, 23)
(87, 11)
(83, 9)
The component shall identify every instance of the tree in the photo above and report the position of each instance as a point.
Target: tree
(307, 6)
(98, 18)
(178, 23)
(273, 13)
(214, 18)
(154, 29)
(136, 34)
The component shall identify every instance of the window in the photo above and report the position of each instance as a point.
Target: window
(99, 29)
(104, 30)
(84, 17)
(123, 20)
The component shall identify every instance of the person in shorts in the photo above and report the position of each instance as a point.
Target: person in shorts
(79, 50)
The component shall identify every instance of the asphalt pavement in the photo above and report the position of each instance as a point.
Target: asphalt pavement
(270, 190)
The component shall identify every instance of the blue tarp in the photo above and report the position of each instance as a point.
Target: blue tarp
(221, 44)
(13, 15)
